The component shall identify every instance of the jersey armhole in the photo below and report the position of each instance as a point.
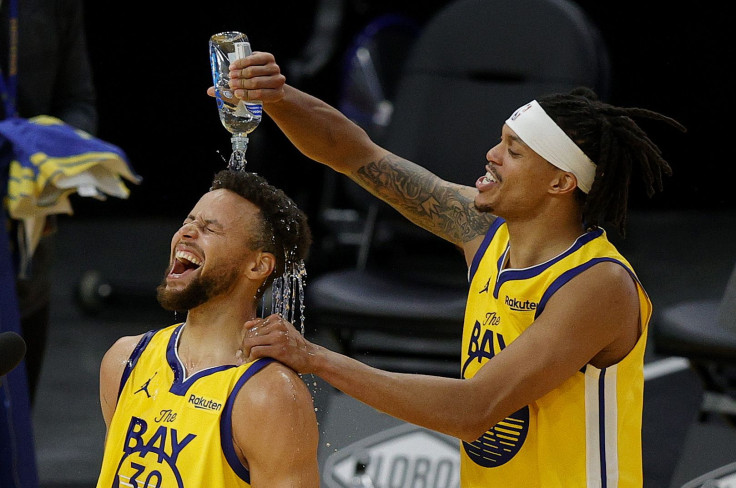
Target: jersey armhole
(483, 247)
(133, 359)
(226, 421)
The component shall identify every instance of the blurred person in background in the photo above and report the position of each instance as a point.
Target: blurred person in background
(45, 71)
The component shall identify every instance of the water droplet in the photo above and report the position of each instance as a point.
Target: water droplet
(287, 291)
(237, 160)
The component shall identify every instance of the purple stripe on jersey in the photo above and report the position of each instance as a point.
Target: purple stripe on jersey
(133, 359)
(602, 426)
(483, 246)
(226, 420)
(523, 274)
(180, 386)
(171, 358)
(570, 274)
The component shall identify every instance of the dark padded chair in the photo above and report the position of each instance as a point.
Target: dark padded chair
(722, 476)
(704, 332)
(401, 306)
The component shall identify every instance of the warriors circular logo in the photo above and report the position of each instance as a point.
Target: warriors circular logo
(501, 443)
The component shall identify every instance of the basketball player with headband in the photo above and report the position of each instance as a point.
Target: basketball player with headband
(556, 320)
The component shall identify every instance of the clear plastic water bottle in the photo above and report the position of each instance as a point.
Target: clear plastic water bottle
(239, 117)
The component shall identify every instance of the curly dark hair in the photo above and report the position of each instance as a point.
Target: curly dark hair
(610, 137)
(284, 230)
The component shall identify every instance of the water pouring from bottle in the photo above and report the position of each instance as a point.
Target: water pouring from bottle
(287, 293)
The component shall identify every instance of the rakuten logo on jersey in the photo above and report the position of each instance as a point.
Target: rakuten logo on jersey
(520, 306)
(203, 403)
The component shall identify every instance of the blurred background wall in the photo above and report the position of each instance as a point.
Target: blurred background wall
(151, 70)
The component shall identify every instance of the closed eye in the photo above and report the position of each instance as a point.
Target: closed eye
(211, 226)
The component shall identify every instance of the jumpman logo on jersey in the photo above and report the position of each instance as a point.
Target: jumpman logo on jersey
(144, 388)
(485, 288)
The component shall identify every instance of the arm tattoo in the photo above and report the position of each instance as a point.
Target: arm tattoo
(436, 205)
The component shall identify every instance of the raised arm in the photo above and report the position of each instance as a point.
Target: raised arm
(324, 134)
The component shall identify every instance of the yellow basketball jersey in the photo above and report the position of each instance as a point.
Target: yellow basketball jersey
(586, 432)
(169, 430)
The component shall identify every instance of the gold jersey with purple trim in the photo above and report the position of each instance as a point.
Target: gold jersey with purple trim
(587, 431)
(170, 430)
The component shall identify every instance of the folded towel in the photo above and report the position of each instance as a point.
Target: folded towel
(50, 160)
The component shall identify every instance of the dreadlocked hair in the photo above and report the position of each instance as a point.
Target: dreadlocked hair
(611, 138)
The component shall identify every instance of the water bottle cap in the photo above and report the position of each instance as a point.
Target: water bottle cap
(239, 142)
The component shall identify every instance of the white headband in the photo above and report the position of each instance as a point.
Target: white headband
(538, 131)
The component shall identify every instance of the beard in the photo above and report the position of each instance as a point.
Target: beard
(199, 291)
(483, 208)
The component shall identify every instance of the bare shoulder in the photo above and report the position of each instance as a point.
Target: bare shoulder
(608, 277)
(113, 364)
(277, 389)
(606, 286)
(275, 429)
(120, 351)
(601, 306)
(111, 372)
(275, 399)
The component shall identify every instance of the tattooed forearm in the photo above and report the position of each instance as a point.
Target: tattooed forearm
(445, 209)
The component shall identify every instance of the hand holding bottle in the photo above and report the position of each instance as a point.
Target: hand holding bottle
(257, 77)
(239, 116)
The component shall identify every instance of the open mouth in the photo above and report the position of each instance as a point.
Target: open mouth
(489, 178)
(184, 261)
(486, 181)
